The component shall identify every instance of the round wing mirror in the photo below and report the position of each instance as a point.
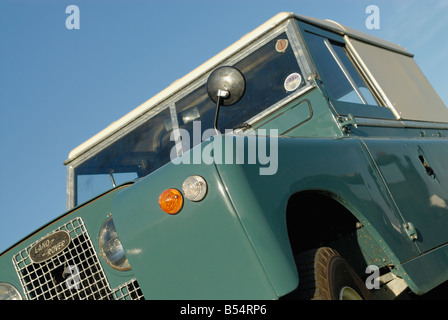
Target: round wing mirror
(226, 84)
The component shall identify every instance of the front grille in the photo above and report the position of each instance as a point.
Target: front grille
(128, 291)
(73, 274)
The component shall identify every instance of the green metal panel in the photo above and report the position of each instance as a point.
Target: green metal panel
(338, 166)
(427, 270)
(201, 253)
(307, 116)
(244, 247)
(292, 116)
(421, 197)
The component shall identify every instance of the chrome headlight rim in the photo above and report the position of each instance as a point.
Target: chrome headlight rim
(111, 248)
(11, 291)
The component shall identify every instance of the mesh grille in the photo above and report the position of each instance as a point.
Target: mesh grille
(128, 291)
(73, 274)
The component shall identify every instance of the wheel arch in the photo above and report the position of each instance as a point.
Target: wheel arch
(317, 218)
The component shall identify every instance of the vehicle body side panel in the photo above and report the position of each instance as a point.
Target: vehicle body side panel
(234, 243)
(428, 270)
(337, 166)
(420, 196)
(200, 253)
(307, 116)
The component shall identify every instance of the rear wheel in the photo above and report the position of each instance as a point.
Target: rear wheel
(325, 275)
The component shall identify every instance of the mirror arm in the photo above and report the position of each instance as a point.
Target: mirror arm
(221, 94)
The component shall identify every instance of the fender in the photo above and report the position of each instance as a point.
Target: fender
(202, 252)
(340, 166)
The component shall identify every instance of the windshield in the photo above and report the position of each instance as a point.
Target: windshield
(341, 79)
(272, 73)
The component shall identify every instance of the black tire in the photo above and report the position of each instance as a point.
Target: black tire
(325, 275)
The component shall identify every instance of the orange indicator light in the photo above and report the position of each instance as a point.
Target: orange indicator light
(171, 201)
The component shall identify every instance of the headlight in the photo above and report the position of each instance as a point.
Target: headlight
(111, 248)
(9, 292)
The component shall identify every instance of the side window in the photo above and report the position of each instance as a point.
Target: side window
(340, 78)
(196, 106)
(272, 74)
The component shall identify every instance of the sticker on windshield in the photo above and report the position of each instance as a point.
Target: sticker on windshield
(281, 45)
(292, 82)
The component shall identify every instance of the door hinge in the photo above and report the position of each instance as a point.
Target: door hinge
(347, 123)
(411, 231)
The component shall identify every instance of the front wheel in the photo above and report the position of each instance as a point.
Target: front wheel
(325, 275)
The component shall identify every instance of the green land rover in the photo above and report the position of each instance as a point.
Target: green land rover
(308, 160)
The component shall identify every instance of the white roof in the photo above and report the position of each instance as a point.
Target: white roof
(213, 63)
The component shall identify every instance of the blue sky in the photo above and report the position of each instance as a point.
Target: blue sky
(59, 87)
